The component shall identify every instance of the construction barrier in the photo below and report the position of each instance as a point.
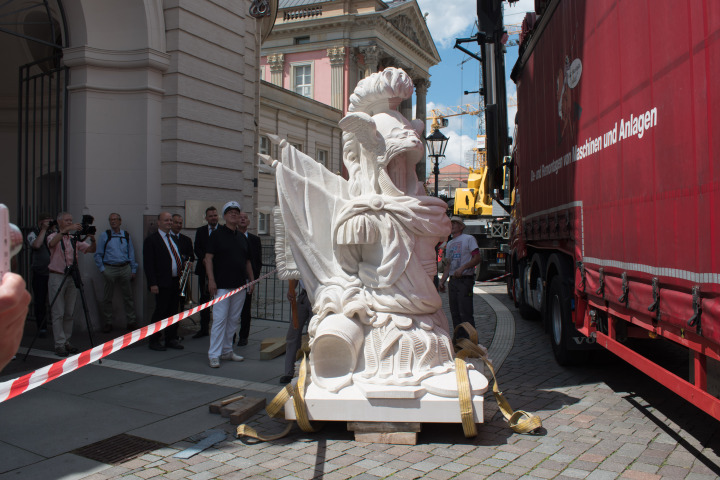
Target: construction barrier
(494, 279)
(13, 388)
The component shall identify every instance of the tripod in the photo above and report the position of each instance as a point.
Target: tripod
(71, 271)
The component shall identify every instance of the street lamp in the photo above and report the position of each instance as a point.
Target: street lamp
(436, 143)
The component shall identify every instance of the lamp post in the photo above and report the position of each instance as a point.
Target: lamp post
(436, 143)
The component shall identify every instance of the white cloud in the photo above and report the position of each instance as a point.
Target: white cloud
(449, 19)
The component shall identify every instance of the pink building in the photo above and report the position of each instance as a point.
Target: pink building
(320, 49)
(450, 177)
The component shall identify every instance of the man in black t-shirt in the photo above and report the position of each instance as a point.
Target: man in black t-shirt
(228, 267)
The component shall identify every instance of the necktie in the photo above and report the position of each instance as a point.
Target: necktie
(212, 229)
(178, 263)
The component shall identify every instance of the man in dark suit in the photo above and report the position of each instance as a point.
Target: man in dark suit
(163, 266)
(255, 256)
(202, 235)
(185, 248)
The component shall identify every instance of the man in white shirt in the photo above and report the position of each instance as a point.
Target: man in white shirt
(463, 255)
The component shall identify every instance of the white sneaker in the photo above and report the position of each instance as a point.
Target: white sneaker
(231, 356)
(214, 362)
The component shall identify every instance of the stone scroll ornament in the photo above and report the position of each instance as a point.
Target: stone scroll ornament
(364, 248)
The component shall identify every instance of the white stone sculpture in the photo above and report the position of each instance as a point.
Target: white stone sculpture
(364, 248)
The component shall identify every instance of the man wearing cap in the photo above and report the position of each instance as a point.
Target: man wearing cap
(228, 267)
(463, 254)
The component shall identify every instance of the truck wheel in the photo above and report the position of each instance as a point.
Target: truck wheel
(526, 311)
(561, 328)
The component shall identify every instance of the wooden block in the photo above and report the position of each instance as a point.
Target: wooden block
(383, 427)
(216, 406)
(388, 438)
(245, 408)
(272, 351)
(266, 342)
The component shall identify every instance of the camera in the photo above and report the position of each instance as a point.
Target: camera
(52, 224)
(86, 224)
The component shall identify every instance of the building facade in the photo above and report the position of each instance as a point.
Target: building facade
(127, 106)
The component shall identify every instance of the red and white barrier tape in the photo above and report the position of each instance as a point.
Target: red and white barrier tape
(494, 279)
(13, 388)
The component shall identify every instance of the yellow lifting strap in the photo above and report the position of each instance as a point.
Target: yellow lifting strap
(275, 409)
(520, 421)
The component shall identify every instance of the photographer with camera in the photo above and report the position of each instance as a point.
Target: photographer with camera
(39, 260)
(64, 246)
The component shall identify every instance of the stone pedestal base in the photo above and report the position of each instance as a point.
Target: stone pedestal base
(400, 404)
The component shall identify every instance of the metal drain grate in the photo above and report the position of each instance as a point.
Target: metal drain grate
(118, 449)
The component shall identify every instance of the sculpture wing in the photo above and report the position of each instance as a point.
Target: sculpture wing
(363, 126)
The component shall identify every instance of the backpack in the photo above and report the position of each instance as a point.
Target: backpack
(108, 232)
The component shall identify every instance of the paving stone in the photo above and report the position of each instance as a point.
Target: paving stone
(223, 470)
(575, 473)
(381, 471)
(409, 474)
(204, 466)
(701, 476)
(602, 475)
(440, 474)
(543, 473)
(672, 471)
(506, 456)
(202, 476)
(366, 476)
(367, 464)
(640, 475)
(473, 472)
(515, 470)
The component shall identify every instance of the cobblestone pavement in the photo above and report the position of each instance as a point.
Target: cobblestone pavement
(601, 421)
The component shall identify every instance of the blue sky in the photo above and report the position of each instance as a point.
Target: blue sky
(457, 72)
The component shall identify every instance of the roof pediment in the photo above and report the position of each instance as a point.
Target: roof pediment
(409, 21)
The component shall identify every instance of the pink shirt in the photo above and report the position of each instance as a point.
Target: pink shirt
(59, 259)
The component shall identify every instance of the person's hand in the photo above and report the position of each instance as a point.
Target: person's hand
(441, 288)
(154, 289)
(45, 224)
(291, 295)
(132, 277)
(69, 228)
(251, 288)
(14, 301)
(212, 287)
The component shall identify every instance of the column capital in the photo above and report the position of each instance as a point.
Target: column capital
(421, 85)
(371, 53)
(336, 55)
(276, 62)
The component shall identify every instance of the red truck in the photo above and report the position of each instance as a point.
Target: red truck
(616, 227)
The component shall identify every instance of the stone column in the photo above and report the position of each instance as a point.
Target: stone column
(372, 57)
(277, 64)
(337, 65)
(421, 87)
